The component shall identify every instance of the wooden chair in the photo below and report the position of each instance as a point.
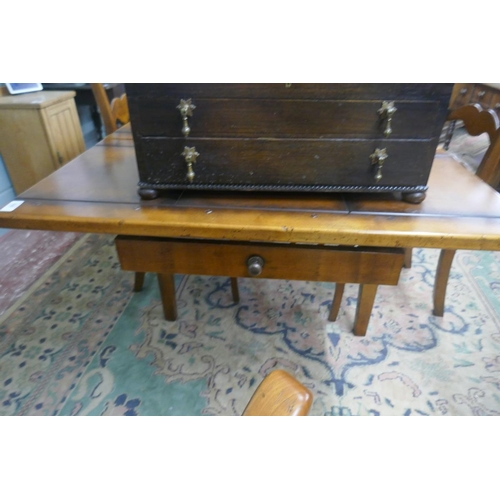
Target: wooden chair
(476, 122)
(279, 395)
(112, 113)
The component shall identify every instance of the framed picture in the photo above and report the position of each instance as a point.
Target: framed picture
(21, 88)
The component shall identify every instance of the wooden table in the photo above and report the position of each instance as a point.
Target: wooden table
(303, 236)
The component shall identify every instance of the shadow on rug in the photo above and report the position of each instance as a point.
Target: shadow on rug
(81, 343)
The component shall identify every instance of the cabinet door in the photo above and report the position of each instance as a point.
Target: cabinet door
(64, 132)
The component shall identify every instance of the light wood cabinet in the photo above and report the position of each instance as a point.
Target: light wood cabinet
(39, 133)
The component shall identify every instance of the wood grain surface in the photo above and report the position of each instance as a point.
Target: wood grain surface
(289, 118)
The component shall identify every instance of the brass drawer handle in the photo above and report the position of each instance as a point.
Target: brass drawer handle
(378, 157)
(186, 108)
(386, 112)
(190, 156)
(255, 264)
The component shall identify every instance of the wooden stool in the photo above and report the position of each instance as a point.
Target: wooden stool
(279, 395)
(369, 267)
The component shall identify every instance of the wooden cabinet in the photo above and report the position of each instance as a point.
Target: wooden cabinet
(39, 132)
(287, 137)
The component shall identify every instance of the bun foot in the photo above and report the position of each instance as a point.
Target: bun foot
(414, 197)
(148, 194)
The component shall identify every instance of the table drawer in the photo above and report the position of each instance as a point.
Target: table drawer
(293, 165)
(380, 266)
(289, 118)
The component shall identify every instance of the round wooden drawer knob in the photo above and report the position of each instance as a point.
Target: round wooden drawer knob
(255, 265)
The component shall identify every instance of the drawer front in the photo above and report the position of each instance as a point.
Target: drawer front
(381, 266)
(354, 91)
(292, 165)
(289, 118)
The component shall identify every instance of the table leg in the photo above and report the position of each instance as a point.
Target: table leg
(407, 258)
(366, 298)
(337, 299)
(138, 281)
(441, 282)
(167, 291)
(234, 290)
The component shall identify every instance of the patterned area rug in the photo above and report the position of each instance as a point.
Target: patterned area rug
(80, 342)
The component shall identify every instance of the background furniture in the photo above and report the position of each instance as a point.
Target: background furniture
(114, 111)
(39, 132)
(97, 193)
(279, 395)
(85, 98)
(485, 94)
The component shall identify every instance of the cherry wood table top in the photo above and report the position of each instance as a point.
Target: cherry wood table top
(97, 193)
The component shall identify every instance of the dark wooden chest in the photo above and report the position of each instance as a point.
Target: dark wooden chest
(287, 137)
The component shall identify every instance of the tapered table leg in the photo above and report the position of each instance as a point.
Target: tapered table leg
(234, 290)
(167, 291)
(337, 299)
(138, 281)
(441, 282)
(366, 298)
(407, 258)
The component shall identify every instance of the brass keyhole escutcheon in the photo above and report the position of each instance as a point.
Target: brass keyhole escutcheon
(186, 108)
(386, 112)
(288, 85)
(190, 156)
(378, 157)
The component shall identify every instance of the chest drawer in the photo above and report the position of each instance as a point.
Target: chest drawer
(288, 118)
(282, 165)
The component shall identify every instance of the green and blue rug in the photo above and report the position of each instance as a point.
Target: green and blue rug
(80, 342)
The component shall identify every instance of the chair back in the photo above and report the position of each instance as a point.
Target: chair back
(279, 395)
(112, 113)
(478, 121)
